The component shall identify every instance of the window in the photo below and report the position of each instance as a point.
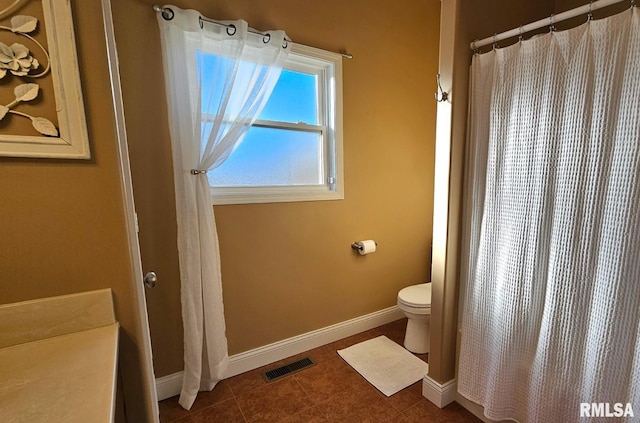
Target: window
(293, 152)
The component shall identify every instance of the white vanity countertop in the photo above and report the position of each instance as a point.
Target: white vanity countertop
(58, 359)
(69, 378)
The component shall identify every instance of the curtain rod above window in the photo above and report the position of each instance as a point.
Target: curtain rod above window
(586, 9)
(168, 15)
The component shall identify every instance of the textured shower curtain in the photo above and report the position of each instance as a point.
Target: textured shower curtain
(551, 315)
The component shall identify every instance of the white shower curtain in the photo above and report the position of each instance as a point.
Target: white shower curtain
(218, 79)
(551, 315)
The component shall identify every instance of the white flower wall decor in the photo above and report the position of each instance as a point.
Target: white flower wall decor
(23, 60)
(17, 60)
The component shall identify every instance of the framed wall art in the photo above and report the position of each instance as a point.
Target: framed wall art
(41, 107)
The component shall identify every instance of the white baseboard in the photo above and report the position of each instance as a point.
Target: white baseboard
(169, 386)
(439, 394)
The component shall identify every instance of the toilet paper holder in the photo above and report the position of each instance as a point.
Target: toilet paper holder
(357, 246)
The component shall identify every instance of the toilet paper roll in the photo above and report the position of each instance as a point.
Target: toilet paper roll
(367, 246)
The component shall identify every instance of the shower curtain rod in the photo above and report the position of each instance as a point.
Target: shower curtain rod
(168, 15)
(587, 8)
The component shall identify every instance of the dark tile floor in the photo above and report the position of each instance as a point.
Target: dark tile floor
(331, 391)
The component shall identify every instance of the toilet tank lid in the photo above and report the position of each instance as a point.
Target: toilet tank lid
(416, 295)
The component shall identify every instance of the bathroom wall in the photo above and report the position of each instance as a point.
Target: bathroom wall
(62, 227)
(288, 267)
(487, 17)
(564, 5)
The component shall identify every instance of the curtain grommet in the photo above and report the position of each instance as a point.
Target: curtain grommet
(266, 38)
(231, 30)
(167, 13)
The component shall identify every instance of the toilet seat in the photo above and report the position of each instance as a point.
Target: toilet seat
(418, 296)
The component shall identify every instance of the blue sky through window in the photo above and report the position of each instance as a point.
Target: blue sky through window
(294, 99)
(270, 156)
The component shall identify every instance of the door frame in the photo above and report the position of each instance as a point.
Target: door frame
(145, 354)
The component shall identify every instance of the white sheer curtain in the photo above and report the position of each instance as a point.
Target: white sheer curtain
(551, 314)
(218, 79)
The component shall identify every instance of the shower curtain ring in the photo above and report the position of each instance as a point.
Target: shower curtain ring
(495, 41)
(590, 15)
(520, 34)
(551, 25)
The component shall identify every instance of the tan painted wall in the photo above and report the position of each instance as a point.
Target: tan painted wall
(487, 17)
(564, 5)
(62, 226)
(301, 273)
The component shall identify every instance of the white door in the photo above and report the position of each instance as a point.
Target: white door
(146, 362)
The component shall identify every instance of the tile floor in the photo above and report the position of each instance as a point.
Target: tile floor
(331, 391)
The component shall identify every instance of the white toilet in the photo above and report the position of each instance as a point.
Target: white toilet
(415, 302)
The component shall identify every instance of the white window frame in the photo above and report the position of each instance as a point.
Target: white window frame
(328, 66)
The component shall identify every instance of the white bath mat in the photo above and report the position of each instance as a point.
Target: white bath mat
(385, 364)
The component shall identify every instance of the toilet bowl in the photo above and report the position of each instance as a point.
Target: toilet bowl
(415, 302)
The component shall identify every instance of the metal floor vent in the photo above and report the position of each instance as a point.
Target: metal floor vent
(287, 369)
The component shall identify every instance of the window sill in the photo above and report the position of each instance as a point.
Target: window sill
(222, 196)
